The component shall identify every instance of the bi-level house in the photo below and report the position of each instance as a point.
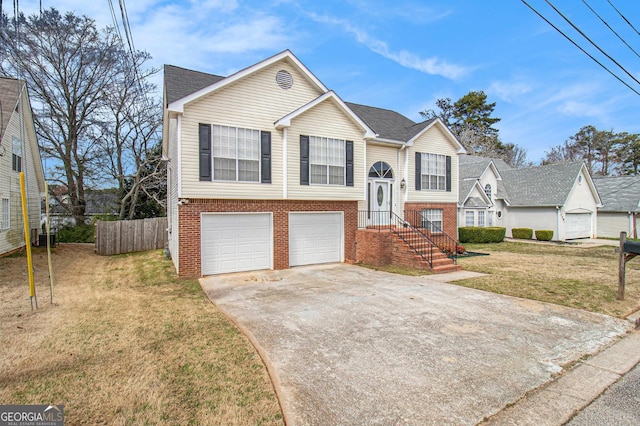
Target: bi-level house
(269, 169)
(18, 153)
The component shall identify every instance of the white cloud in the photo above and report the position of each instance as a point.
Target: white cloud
(509, 91)
(433, 65)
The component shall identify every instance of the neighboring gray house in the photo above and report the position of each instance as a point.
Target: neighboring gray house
(559, 197)
(621, 205)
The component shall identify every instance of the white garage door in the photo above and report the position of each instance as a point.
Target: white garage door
(315, 238)
(578, 225)
(235, 242)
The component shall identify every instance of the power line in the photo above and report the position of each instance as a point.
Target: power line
(579, 47)
(609, 26)
(623, 17)
(592, 42)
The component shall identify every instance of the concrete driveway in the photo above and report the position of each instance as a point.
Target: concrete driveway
(349, 345)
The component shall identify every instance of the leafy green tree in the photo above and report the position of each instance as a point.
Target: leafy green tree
(628, 154)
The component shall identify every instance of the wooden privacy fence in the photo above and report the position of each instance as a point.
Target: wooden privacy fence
(127, 236)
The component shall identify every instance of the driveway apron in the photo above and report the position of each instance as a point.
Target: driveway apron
(349, 345)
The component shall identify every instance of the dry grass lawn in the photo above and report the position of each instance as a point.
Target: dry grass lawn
(125, 342)
(576, 276)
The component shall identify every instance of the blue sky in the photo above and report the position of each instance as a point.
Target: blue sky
(404, 54)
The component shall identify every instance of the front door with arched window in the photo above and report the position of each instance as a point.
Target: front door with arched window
(380, 193)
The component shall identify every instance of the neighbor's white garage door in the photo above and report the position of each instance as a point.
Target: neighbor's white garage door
(315, 238)
(577, 225)
(235, 242)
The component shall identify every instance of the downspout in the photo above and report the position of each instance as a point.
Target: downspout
(406, 172)
(179, 150)
(365, 172)
(632, 230)
(558, 221)
(285, 183)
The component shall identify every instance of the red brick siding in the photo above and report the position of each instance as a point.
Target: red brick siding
(189, 226)
(374, 247)
(449, 214)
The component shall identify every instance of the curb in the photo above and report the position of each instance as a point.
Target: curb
(557, 401)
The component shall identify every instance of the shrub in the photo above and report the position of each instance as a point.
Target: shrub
(480, 235)
(522, 233)
(544, 234)
(76, 234)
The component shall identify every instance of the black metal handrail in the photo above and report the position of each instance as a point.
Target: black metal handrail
(445, 242)
(388, 220)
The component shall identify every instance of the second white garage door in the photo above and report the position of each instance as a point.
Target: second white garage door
(578, 225)
(315, 238)
(234, 242)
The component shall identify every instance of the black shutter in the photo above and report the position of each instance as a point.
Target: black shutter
(265, 157)
(349, 165)
(304, 160)
(448, 178)
(205, 151)
(418, 171)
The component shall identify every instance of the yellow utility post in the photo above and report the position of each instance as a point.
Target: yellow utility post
(27, 240)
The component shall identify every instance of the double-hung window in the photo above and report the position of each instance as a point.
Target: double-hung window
(480, 217)
(327, 161)
(434, 172)
(469, 218)
(432, 219)
(236, 154)
(5, 224)
(16, 155)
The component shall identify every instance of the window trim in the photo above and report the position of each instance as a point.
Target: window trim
(16, 158)
(258, 160)
(427, 223)
(342, 143)
(466, 217)
(5, 214)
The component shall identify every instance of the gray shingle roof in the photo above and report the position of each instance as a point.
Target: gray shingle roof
(475, 202)
(181, 82)
(619, 194)
(9, 92)
(540, 186)
(388, 124)
(464, 187)
(500, 164)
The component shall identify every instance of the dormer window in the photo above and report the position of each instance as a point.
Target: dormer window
(487, 190)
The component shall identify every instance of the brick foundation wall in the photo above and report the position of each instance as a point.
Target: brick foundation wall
(449, 214)
(374, 247)
(189, 226)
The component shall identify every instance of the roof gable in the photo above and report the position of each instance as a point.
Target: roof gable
(466, 188)
(436, 122)
(178, 104)
(330, 95)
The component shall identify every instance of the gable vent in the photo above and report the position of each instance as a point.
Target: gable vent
(284, 79)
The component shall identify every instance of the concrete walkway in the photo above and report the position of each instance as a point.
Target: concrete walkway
(558, 401)
(349, 345)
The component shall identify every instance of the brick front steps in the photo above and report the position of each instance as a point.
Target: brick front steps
(382, 247)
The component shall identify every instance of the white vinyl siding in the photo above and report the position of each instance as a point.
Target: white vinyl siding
(434, 141)
(328, 120)
(434, 172)
(236, 154)
(327, 161)
(6, 215)
(254, 102)
(432, 219)
(20, 128)
(172, 193)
